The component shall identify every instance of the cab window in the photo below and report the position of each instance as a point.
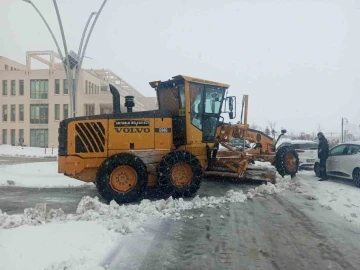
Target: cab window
(173, 99)
(213, 99)
(196, 97)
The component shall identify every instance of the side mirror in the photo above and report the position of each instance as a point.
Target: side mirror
(231, 103)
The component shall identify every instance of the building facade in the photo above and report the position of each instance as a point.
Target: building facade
(34, 101)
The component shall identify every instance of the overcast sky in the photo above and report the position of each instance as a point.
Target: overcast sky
(299, 61)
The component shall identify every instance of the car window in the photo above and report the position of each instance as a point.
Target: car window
(306, 146)
(351, 149)
(337, 150)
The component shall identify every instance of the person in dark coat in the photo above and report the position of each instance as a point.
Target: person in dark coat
(323, 154)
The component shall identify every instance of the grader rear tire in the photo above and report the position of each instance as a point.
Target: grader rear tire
(287, 161)
(179, 174)
(122, 177)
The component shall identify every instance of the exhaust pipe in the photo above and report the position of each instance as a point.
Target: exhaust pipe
(129, 103)
(116, 99)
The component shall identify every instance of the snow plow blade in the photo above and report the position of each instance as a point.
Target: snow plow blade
(261, 174)
(252, 173)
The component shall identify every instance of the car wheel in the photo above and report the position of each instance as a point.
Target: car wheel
(356, 177)
(317, 169)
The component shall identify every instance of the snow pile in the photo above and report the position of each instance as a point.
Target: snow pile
(39, 174)
(127, 218)
(120, 218)
(56, 246)
(22, 151)
(264, 164)
(267, 189)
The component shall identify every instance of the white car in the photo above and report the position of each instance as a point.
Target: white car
(307, 151)
(343, 162)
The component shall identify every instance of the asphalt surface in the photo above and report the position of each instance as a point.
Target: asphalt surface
(271, 232)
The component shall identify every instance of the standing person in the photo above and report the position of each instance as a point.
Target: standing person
(323, 154)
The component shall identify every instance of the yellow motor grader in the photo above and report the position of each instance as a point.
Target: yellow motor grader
(172, 148)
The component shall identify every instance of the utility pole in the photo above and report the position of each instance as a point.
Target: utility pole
(342, 128)
(71, 59)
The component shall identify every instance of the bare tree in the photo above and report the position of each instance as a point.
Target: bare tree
(272, 126)
(254, 126)
(267, 130)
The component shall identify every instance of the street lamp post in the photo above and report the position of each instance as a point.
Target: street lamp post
(69, 75)
(48, 27)
(72, 83)
(84, 32)
(342, 128)
(78, 68)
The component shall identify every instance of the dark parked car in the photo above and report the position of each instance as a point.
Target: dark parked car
(238, 143)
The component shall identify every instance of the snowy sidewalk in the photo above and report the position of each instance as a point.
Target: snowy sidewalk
(341, 196)
(14, 151)
(36, 175)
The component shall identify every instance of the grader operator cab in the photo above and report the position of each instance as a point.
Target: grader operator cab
(172, 148)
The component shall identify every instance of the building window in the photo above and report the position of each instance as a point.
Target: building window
(4, 90)
(105, 109)
(5, 113)
(57, 87)
(11, 68)
(13, 113)
(4, 136)
(21, 137)
(13, 88)
(104, 88)
(39, 89)
(66, 111)
(39, 137)
(21, 112)
(39, 113)
(21, 87)
(12, 137)
(57, 112)
(6, 67)
(86, 87)
(89, 109)
(66, 87)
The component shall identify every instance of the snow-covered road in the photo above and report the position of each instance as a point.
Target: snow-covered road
(272, 232)
(297, 224)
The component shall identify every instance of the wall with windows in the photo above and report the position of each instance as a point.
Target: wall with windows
(10, 65)
(33, 102)
(27, 103)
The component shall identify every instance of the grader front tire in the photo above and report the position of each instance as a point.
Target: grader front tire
(287, 161)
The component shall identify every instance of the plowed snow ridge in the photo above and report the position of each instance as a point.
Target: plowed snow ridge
(127, 218)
